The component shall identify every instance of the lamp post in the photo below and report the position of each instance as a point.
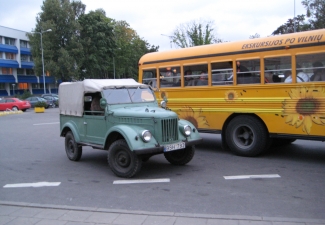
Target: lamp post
(13, 89)
(169, 37)
(41, 33)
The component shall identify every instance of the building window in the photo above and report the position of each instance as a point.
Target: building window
(2, 86)
(24, 58)
(35, 86)
(30, 72)
(20, 71)
(1, 53)
(6, 71)
(23, 44)
(10, 55)
(9, 41)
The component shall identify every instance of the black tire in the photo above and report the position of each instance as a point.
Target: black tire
(15, 108)
(74, 152)
(180, 157)
(122, 161)
(247, 136)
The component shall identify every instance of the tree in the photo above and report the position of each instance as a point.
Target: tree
(193, 34)
(296, 24)
(315, 13)
(98, 44)
(61, 46)
(130, 48)
(254, 36)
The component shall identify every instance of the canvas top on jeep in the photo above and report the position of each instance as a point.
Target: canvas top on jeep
(71, 94)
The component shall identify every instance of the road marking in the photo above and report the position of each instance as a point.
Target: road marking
(39, 184)
(38, 124)
(252, 176)
(142, 181)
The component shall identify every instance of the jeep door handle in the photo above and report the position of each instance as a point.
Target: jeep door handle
(85, 123)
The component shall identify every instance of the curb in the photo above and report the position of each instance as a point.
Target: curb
(170, 214)
(4, 113)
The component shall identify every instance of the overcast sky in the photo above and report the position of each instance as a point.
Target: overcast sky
(233, 19)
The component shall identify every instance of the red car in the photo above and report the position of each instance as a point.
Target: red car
(13, 104)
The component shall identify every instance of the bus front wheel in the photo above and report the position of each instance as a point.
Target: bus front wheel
(247, 136)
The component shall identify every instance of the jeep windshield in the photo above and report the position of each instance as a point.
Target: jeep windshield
(124, 95)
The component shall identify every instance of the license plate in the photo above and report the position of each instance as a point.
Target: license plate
(172, 147)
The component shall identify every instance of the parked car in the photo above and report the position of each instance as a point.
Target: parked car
(33, 100)
(52, 95)
(52, 100)
(14, 104)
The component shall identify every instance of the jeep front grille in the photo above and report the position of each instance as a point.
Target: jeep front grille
(169, 130)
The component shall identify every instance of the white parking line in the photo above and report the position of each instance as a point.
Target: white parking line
(38, 184)
(142, 181)
(252, 176)
(38, 124)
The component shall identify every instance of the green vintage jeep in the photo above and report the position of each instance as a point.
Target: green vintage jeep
(123, 117)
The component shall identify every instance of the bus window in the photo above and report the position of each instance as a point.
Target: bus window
(311, 67)
(170, 77)
(222, 73)
(248, 71)
(276, 69)
(193, 73)
(150, 78)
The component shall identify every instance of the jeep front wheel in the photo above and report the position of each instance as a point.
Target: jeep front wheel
(72, 149)
(180, 157)
(122, 161)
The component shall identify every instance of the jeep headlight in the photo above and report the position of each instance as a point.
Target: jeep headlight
(146, 136)
(187, 130)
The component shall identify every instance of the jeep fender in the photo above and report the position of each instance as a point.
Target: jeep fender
(132, 135)
(194, 135)
(70, 126)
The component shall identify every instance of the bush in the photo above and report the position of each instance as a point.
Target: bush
(40, 104)
(25, 95)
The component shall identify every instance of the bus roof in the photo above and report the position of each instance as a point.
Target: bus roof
(292, 40)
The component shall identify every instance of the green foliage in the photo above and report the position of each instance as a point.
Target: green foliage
(315, 11)
(61, 45)
(40, 104)
(194, 33)
(130, 48)
(254, 36)
(25, 95)
(84, 45)
(97, 40)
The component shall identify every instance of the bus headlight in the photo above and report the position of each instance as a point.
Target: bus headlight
(146, 136)
(187, 130)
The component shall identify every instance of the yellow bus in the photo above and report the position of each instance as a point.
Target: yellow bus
(252, 92)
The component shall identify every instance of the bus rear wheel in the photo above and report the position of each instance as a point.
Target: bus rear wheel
(247, 136)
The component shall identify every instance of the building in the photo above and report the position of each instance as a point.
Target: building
(17, 67)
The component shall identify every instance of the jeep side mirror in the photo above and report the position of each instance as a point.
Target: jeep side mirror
(103, 103)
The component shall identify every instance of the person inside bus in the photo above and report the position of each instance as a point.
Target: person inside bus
(240, 69)
(189, 81)
(319, 73)
(301, 76)
(203, 79)
(268, 76)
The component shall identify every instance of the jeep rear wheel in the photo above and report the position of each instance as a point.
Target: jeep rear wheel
(122, 161)
(180, 157)
(72, 149)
